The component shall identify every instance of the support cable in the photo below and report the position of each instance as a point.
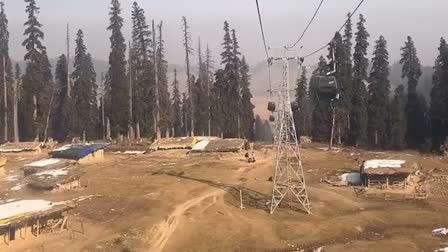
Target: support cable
(340, 29)
(308, 26)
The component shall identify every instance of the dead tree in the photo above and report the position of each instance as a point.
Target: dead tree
(16, 108)
(5, 99)
(156, 87)
(188, 51)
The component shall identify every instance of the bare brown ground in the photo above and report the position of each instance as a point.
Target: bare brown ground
(168, 201)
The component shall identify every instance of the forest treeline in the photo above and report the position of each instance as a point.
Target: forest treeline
(369, 113)
(133, 99)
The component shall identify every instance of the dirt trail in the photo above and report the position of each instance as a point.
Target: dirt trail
(161, 233)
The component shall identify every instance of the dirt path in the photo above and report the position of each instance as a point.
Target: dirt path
(161, 233)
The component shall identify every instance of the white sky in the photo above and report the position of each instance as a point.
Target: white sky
(284, 20)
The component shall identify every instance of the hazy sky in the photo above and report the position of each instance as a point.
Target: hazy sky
(425, 20)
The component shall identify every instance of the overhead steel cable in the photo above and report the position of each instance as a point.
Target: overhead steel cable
(262, 31)
(307, 27)
(340, 29)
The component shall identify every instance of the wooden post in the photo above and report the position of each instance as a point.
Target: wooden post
(241, 199)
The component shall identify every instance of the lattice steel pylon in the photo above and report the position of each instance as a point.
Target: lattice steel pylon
(289, 176)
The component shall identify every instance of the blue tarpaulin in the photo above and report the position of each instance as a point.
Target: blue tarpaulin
(76, 151)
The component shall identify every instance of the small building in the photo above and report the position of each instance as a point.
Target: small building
(386, 174)
(221, 145)
(22, 217)
(174, 143)
(46, 164)
(55, 179)
(83, 153)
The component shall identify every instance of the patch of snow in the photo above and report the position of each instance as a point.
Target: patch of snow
(65, 147)
(353, 178)
(201, 145)
(18, 187)
(20, 207)
(440, 231)
(383, 163)
(13, 178)
(45, 162)
(134, 152)
(53, 173)
(318, 249)
(441, 250)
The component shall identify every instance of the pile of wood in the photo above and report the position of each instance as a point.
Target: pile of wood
(32, 147)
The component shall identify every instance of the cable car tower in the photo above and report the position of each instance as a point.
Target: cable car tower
(289, 177)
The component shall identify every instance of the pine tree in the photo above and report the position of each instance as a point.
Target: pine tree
(188, 52)
(84, 91)
(61, 113)
(119, 106)
(176, 106)
(200, 99)
(229, 84)
(259, 129)
(247, 108)
(34, 104)
(164, 95)
(398, 119)
(217, 94)
(5, 60)
(143, 71)
(379, 91)
(301, 115)
(439, 97)
(358, 118)
(345, 81)
(320, 109)
(416, 122)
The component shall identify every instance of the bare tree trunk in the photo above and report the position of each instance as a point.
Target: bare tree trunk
(332, 128)
(156, 61)
(376, 138)
(16, 111)
(108, 137)
(47, 122)
(5, 99)
(190, 88)
(137, 130)
(35, 117)
(131, 134)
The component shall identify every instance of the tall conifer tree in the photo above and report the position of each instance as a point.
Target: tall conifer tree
(37, 80)
(119, 105)
(358, 118)
(379, 91)
(84, 91)
(247, 108)
(398, 118)
(416, 122)
(439, 97)
(142, 71)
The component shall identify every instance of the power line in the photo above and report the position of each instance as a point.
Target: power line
(262, 31)
(340, 29)
(308, 26)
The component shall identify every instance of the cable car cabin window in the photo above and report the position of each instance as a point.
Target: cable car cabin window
(327, 87)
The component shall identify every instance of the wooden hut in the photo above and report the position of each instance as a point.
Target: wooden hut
(386, 174)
